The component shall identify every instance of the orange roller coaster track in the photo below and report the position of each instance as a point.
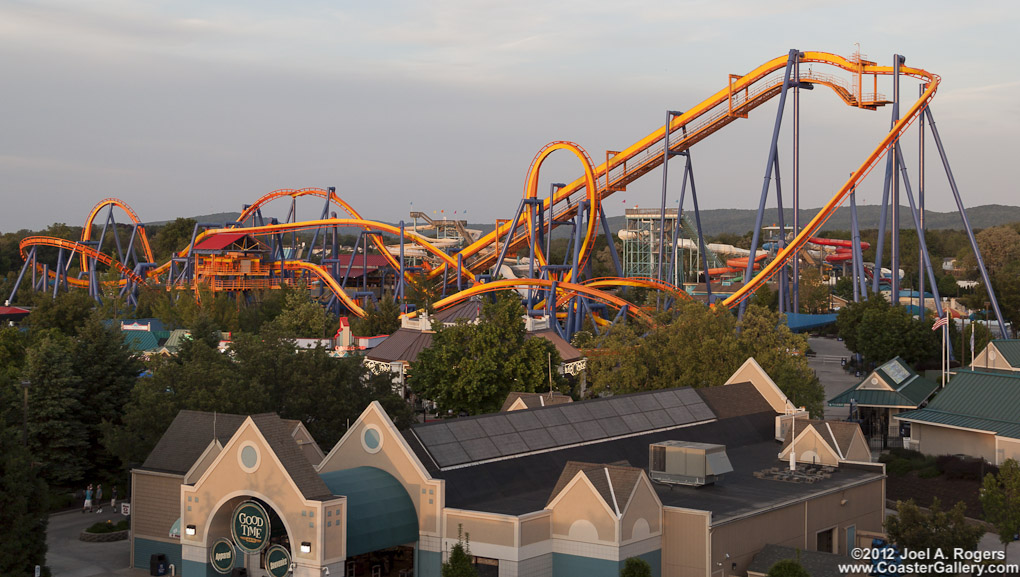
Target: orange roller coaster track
(86, 231)
(569, 288)
(338, 222)
(322, 193)
(735, 101)
(75, 246)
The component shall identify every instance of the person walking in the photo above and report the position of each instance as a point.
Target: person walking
(88, 499)
(99, 497)
(113, 499)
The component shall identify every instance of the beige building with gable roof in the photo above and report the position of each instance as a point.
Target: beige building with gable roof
(557, 490)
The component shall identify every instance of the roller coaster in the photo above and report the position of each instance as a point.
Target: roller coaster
(254, 253)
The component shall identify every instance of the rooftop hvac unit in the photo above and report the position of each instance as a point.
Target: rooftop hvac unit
(687, 463)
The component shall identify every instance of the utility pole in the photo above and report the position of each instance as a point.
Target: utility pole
(24, 414)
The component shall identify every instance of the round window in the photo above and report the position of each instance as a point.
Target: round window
(371, 439)
(248, 457)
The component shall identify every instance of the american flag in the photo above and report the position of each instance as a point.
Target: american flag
(940, 323)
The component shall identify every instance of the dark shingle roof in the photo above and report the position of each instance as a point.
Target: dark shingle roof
(187, 438)
(468, 310)
(623, 479)
(278, 434)
(568, 353)
(816, 563)
(836, 434)
(734, 400)
(535, 400)
(403, 345)
(975, 400)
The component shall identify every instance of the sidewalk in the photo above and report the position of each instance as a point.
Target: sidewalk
(67, 556)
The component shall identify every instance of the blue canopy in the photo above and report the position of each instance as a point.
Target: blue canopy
(799, 322)
(380, 513)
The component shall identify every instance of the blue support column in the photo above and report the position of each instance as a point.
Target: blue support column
(880, 241)
(769, 165)
(782, 240)
(895, 259)
(701, 236)
(921, 241)
(860, 288)
(966, 222)
(920, 203)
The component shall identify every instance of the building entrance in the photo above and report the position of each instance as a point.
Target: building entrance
(391, 562)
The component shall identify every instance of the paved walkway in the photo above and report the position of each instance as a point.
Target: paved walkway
(830, 373)
(67, 556)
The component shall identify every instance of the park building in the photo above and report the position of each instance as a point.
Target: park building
(693, 481)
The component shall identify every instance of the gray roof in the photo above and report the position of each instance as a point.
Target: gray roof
(841, 436)
(535, 400)
(471, 440)
(187, 438)
(191, 432)
(568, 353)
(403, 345)
(468, 310)
(278, 434)
(816, 563)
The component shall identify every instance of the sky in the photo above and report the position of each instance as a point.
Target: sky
(185, 108)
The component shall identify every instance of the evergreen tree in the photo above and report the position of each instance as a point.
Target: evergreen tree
(459, 563)
(23, 505)
(636, 567)
(381, 320)
(107, 370)
(57, 435)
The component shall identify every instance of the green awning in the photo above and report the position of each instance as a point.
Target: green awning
(380, 513)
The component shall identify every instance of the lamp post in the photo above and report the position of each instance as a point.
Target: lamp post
(24, 414)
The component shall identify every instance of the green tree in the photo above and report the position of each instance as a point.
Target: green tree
(23, 508)
(788, 568)
(814, 293)
(66, 313)
(636, 567)
(302, 317)
(879, 331)
(57, 436)
(1000, 499)
(844, 288)
(172, 238)
(107, 370)
(473, 367)
(917, 530)
(381, 320)
(459, 564)
(695, 346)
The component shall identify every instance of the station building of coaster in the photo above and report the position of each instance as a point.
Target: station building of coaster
(689, 480)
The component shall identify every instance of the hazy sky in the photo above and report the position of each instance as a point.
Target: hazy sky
(183, 108)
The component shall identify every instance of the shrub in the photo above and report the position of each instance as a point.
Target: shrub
(899, 467)
(967, 468)
(908, 454)
(928, 473)
(108, 527)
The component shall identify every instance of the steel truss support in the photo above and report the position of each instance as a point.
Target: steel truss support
(794, 56)
(966, 221)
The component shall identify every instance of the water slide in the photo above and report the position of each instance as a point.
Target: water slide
(843, 248)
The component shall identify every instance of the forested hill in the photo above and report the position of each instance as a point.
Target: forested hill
(738, 221)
